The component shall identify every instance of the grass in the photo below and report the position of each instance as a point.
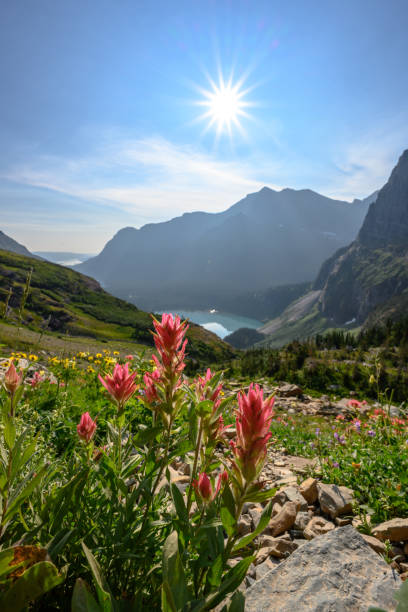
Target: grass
(77, 314)
(20, 338)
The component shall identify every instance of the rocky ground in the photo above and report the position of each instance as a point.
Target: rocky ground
(311, 555)
(290, 399)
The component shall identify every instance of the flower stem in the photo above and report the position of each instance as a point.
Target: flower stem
(6, 493)
(193, 473)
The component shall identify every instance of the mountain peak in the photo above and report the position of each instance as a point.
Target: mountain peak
(387, 219)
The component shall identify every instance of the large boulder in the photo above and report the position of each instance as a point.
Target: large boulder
(337, 572)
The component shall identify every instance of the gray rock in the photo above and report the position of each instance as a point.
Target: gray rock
(395, 530)
(291, 494)
(317, 526)
(277, 547)
(263, 568)
(289, 390)
(334, 500)
(244, 525)
(255, 514)
(302, 520)
(337, 572)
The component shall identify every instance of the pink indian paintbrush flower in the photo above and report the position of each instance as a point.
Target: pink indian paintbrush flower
(203, 486)
(169, 343)
(12, 379)
(353, 403)
(120, 385)
(36, 379)
(204, 390)
(150, 380)
(86, 428)
(253, 420)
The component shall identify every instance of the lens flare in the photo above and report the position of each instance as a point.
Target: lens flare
(225, 105)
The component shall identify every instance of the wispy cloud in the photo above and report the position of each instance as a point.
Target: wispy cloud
(151, 178)
(364, 165)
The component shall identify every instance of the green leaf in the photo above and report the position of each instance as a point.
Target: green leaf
(6, 556)
(237, 603)
(62, 499)
(211, 523)
(104, 595)
(16, 501)
(215, 572)
(228, 521)
(260, 496)
(231, 582)
(173, 574)
(402, 597)
(264, 520)
(179, 504)
(35, 581)
(193, 426)
(9, 432)
(142, 438)
(82, 598)
(6, 408)
(228, 499)
(204, 408)
(18, 395)
(58, 542)
(20, 455)
(167, 600)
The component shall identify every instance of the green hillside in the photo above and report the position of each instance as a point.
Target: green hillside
(62, 301)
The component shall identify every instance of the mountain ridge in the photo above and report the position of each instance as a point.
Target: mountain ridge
(9, 244)
(199, 259)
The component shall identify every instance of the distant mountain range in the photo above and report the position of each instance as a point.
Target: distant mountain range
(8, 244)
(203, 260)
(361, 284)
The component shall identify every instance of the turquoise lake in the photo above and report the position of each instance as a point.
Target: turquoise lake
(220, 323)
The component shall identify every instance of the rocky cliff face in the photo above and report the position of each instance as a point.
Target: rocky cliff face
(387, 219)
(374, 268)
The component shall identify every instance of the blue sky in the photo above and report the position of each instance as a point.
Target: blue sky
(99, 108)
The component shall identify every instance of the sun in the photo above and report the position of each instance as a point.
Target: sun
(225, 105)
